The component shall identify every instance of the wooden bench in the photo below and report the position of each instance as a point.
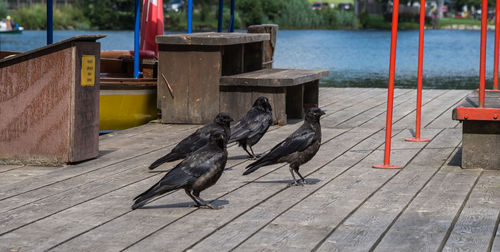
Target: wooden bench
(290, 91)
(481, 131)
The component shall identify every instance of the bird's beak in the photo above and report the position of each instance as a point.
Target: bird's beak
(322, 112)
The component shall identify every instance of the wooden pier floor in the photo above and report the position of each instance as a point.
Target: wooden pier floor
(432, 204)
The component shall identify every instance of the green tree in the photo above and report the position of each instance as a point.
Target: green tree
(109, 14)
(4, 8)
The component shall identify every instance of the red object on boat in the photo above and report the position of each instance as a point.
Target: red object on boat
(151, 24)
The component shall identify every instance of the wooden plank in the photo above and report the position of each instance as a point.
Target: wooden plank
(76, 175)
(273, 77)
(475, 227)
(358, 107)
(4, 168)
(308, 222)
(238, 202)
(203, 91)
(66, 218)
(211, 38)
(84, 130)
(432, 109)
(425, 223)
(174, 65)
(403, 105)
(235, 231)
(444, 120)
(20, 173)
(496, 240)
(362, 229)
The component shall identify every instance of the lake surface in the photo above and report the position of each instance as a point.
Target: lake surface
(353, 58)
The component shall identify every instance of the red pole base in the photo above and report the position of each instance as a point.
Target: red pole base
(415, 139)
(489, 90)
(387, 167)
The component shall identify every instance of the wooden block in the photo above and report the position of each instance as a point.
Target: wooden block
(49, 100)
(311, 92)
(295, 101)
(481, 145)
(269, 45)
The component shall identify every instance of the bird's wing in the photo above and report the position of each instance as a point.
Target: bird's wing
(298, 141)
(194, 141)
(201, 162)
(254, 122)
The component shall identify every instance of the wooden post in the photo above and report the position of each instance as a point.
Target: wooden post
(269, 46)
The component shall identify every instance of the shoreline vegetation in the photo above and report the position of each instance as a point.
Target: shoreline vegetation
(288, 14)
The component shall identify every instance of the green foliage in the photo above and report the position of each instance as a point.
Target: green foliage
(109, 14)
(252, 11)
(298, 14)
(65, 17)
(176, 21)
(4, 8)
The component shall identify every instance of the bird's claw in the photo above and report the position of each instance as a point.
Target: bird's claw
(208, 206)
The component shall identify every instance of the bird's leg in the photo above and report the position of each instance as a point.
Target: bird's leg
(295, 183)
(302, 178)
(252, 156)
(188, 192)
(205, 204)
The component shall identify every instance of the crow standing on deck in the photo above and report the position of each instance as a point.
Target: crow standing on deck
(196, 173)
(296, 149)
(196, 140)
(251, 127)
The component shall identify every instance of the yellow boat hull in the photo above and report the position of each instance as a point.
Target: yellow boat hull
(123, 109)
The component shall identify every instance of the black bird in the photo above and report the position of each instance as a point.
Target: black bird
(296, 149)
(194, 174)
(251, 127)
(196, 140)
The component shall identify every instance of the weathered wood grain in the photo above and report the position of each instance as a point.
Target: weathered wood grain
(424, 224)
(308, 222)
(212, 38)
(475, 227)
(87, 206)
(103, 202)
(361, 230)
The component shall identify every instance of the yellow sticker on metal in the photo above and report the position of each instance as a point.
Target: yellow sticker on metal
(88, 70)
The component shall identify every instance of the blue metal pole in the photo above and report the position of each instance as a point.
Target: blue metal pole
(136, 38)
(50, 23)
(221, 15)
(190, 16)
(231, 23)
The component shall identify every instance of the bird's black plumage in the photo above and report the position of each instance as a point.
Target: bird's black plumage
(194, 174)
(196, 140)
(251, 127)
(296, 149)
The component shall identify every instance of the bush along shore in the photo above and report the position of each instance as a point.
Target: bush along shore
(288, 14)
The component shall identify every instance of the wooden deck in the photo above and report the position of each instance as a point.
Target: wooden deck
(432, 204)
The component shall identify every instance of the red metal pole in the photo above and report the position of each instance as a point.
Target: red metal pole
(390, 95)
(482, 64)
(497, 36)
(419, 78)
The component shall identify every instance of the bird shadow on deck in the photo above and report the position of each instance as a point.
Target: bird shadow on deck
(308, 181)
(185, 204)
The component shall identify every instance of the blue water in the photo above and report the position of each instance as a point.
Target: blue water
(353, 58)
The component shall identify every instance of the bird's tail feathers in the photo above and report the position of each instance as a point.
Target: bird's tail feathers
(254, 166)
(167, 158)
(144, 197)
